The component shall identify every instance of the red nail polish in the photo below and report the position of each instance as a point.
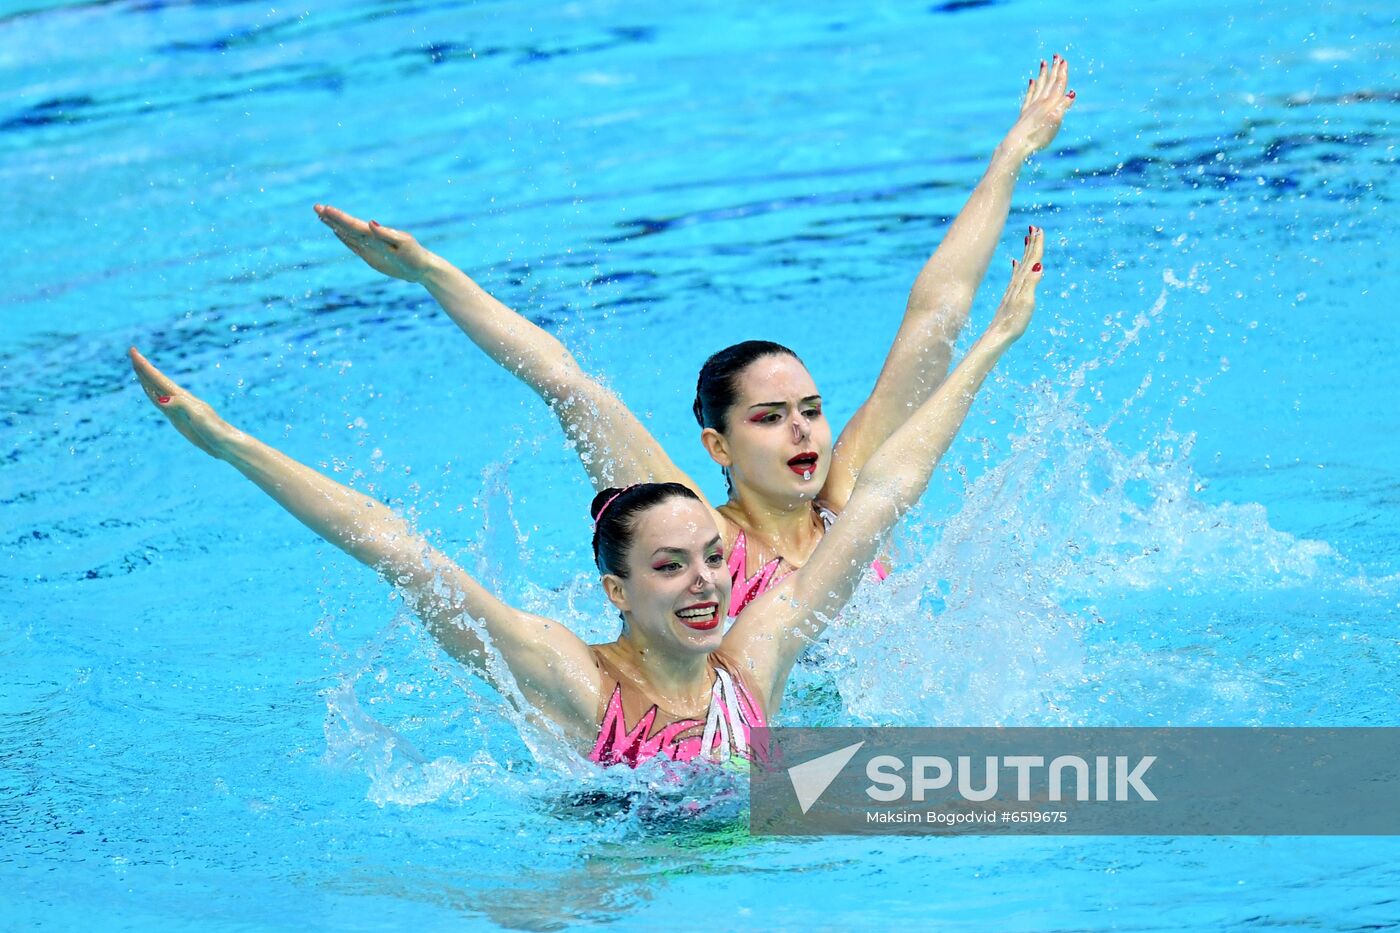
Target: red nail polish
(1071, 95)
(1032, 83)
(1042, 63)
(163, 399)
(1028, 240)
(1035, 268)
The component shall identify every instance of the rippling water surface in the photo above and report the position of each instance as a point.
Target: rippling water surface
(1175, 504)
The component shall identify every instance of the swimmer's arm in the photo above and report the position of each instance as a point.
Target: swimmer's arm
(613, 445)
(772, 631)
(942, 294)
(552, 666)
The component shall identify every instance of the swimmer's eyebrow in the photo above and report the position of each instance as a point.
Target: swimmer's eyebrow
(716, 541)
(805, 401)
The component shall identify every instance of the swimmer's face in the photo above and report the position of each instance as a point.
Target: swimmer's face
(676, 592)
(778, 442)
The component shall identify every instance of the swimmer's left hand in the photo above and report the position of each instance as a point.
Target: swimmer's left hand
(392, 252)
(192, 417)
(1042, 110)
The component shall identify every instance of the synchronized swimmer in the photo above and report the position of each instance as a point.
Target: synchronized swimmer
(759, 410)
(676, 682)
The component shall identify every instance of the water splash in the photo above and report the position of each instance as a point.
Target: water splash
(1056, 593)
(1049, 597)
(397, 771)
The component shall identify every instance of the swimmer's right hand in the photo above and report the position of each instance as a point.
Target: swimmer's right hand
(383, 249)
(1014, 313)
(199, 423)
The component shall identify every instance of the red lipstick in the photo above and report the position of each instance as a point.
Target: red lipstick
(701, 616)
(804, 464)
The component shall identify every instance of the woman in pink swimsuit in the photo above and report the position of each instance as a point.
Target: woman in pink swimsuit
(675, 683)
(759, 410)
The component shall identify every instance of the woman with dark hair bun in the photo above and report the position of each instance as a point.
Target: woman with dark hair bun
(759, 410)
(674, 683)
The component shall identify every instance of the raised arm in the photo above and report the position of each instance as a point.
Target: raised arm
(552, 666)
(614, 446)
(773, 629)
(943, 292)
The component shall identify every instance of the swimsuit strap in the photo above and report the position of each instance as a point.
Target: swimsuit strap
(828, 518)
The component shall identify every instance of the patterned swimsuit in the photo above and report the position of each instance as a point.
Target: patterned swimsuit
(724, 732)
(767, 576)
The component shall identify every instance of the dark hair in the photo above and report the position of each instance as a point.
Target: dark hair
(615, 514)
(716, 389)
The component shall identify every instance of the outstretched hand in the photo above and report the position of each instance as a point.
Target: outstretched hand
(1014, 313)
(383, 249)
(199, 423)
(1043, 108)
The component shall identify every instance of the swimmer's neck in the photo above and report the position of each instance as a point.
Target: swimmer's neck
(792, 529)
(674, 679)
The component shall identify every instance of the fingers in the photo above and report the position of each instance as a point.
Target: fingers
(172, 401)
(356, 244)
(1035, 246)
(1027, 273)
(395, 238)
(1050, 81)
(343, 224)
(159, 388)
(1060, 80)
(335, 217)
(1043, 78)
(156, 384)
(356, 233)
(1036, 84)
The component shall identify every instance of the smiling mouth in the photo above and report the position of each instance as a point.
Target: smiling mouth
(702, 616)
(804, 465)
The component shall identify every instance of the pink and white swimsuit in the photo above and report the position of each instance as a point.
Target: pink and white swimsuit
(767, 576)
(725, 732)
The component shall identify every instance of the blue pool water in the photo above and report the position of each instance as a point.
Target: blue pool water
(1175, 504)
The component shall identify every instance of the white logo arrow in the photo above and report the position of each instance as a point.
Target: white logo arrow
(811, 778)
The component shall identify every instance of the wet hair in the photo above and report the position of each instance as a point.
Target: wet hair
(717, 389)
(615, 513)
